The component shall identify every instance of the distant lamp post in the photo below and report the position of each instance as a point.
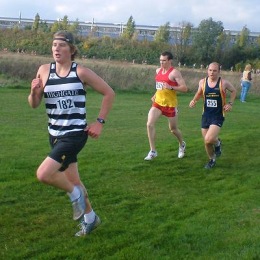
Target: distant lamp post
(121, 28)
(92, 24)
(20, 17)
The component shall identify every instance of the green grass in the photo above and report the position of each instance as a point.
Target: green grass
(168, 208)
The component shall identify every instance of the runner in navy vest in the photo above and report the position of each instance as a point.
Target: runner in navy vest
(213, 90)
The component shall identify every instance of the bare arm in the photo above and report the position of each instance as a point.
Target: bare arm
(175, 75)
(197, 95)
(231, 89)
(233, 92)
(91, 79)
(153, 97)
(36, 93)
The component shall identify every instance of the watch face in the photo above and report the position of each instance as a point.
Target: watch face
(100, 120)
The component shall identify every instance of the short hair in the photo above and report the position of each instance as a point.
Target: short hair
(69, 38)
(217, 64)
(168, 54)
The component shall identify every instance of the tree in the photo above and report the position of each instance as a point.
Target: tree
(65, 23)
(222, 50)
(43, 27)
(205, 38)
(163, 33)
(129, 31)
(36, 23)
(243, 38)
(60, 24)
(74, 27)
(181, 40)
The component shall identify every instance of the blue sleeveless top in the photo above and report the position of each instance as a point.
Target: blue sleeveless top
(214, 99)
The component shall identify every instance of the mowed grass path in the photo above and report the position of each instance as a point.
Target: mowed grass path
(168, 208)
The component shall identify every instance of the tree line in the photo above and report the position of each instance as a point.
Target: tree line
(192, 47)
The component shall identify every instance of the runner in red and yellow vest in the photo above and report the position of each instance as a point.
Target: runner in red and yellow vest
(168, 81)
(165, 97)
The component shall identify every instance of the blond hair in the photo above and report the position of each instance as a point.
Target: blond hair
(248, 67)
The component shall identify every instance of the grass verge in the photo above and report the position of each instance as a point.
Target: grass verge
(168, 208)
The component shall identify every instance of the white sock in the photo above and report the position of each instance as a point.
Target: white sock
(89, 217)
(75, 194)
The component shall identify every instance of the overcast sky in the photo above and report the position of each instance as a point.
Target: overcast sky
(234, 14)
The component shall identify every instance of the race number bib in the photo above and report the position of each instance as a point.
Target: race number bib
(159, 85)
(212, 103)
(65, 104)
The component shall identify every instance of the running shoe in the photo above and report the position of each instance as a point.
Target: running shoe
(210, 164)
(86, 228)
(182, 150)
(151, 155)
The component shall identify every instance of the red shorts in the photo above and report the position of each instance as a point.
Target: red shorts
(166, 111)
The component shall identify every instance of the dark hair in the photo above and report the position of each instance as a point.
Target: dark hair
(69, 38)
(168, 54)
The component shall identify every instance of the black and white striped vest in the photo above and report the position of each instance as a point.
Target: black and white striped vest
(65, 102)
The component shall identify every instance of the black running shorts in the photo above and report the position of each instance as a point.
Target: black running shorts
(206, 121)
(65, 148)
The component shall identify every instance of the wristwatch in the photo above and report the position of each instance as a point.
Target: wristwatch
(230, 103)
(101, 120)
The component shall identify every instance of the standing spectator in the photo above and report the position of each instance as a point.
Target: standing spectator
(213, 90)
(246, 82)
(168, 81)
(63, 84)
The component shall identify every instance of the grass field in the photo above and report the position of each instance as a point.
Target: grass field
(168, 208)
